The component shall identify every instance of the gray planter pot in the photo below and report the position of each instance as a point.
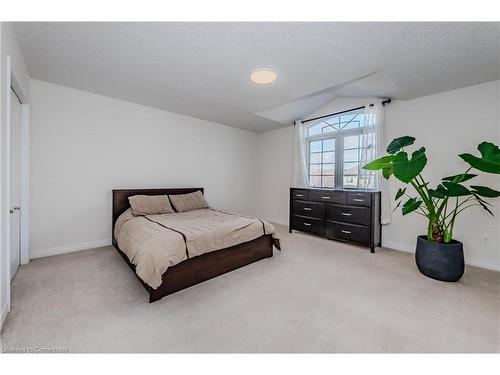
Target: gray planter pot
(440, 261)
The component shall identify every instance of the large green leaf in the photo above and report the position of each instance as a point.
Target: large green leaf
(400, 193)
(488, 162)
(411, 205)
(384, 163)
(452, 189)
(441, 192)
(458, 178)
(387, 172)
(398, 143)
(436, 194)
(380, 163)
(406, 170)
(485, 191)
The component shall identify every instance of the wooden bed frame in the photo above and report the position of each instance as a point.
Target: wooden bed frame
(194, 270)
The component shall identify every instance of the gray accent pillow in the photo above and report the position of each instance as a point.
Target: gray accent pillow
(188, 202)
(150, 205)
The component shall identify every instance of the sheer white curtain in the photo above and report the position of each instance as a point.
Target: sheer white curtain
(373, 146)
(300, 175)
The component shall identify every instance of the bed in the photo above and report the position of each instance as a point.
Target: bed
(193, 269)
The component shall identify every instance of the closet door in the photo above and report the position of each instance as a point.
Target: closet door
(15, 183)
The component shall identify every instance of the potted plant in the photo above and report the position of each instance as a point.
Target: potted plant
(438, 255)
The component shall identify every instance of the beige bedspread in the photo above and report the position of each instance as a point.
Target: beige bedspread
(155, 242)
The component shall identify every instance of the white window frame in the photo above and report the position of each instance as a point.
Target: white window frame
(338, 137)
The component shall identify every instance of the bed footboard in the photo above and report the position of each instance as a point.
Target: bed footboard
(207, 266)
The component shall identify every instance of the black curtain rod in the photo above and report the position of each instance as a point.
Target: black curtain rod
(387, 101)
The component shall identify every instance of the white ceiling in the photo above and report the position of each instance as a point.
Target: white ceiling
(202, 69)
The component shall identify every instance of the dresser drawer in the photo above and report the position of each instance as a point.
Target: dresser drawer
(300, 194)
(359, 199)
(308, 224)
(319, 196)
(348, 232)
(349, 214)
(311, 209)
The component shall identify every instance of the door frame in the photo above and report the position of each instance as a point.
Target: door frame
(24, 257)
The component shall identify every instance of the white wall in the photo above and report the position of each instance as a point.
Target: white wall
(274, 174)
(16, 75)
(83, 145)
(447, 124)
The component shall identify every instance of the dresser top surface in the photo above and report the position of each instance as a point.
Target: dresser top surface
(328, 190)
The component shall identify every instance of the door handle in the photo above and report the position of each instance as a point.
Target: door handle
(358, 200)
(346, 214)
(345, 231)
(307, 224)
(325, 197)
(307, 209)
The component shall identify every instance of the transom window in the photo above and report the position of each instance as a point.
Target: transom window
(345, 121)
(334, 152)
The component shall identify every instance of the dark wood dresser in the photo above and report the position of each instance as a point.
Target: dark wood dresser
(344, 215)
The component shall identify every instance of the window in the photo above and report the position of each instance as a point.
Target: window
(335, 149)
(322, 162)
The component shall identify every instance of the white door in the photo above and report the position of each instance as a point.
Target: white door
(15, 183)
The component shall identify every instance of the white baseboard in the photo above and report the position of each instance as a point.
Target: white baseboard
(388, 244)
(398, 246)
(5, 312)
(481, 263)
(68, 248)
(495, 266)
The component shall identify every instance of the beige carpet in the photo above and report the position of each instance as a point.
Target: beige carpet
(315, 296)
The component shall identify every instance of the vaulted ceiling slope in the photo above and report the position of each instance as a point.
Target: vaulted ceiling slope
(202, 69)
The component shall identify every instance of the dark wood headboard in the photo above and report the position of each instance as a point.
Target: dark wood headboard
(121, 203)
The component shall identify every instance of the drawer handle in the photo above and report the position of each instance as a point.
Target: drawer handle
(345, 231)
(346, 214)
(325, 197)
(358, 200)
(307, 209)
(299, 195)
(307, 224)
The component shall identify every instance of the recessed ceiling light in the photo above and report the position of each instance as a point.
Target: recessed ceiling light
(263, 76)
